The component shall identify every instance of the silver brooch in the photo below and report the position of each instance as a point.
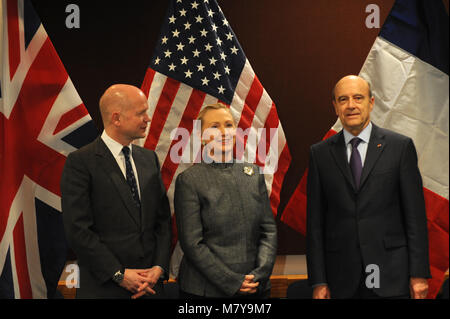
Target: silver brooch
(248, 170)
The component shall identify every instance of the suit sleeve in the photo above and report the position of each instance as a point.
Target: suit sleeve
(413, 204)
(190, 235)
(267, 248)
(316, 206)
(163, 228)
(79, 221)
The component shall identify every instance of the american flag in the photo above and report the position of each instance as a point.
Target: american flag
(42, 119)
(199, 61)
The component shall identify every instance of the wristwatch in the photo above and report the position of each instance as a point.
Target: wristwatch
(118, 276)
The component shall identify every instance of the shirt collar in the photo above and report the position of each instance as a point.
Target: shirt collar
(114, 146)
(364, 135)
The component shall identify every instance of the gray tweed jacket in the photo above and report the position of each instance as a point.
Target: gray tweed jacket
(225, 227)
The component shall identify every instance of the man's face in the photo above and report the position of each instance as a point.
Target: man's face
(353, 104)
(134, 118)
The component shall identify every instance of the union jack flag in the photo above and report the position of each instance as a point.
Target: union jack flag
(199, 61)
(42, 119)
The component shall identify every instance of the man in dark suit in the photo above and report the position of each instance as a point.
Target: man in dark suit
(366, 222)
(115, 209)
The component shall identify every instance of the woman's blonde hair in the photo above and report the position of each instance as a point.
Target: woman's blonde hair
(216, 106)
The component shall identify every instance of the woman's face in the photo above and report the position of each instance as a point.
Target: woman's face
(219, 130)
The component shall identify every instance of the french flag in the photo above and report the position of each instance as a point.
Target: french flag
(408, 68)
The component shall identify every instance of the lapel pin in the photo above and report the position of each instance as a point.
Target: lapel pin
(248, 170)
(379, 145)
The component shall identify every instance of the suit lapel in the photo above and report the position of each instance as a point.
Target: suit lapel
(339, 153)
(111, 168)
(376, 146)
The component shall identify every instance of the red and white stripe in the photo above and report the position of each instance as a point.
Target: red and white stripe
(176, 105)
(16, 61)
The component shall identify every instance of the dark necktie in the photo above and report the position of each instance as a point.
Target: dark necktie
(131, 179)
(355, 161)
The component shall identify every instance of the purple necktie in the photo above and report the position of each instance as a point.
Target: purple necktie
(355, 161)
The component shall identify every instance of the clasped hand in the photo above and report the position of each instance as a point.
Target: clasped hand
(248, 285)
(141, 281)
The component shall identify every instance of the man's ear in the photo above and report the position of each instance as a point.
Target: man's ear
(372, 103)
(115, 118)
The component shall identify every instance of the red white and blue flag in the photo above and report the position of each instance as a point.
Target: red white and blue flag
(42, 119)
(408, 68)
(198, 61)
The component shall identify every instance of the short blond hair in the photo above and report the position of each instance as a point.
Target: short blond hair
(210, 107)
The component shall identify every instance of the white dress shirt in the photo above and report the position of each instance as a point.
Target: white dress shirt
(116, 150)
(362, 147)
